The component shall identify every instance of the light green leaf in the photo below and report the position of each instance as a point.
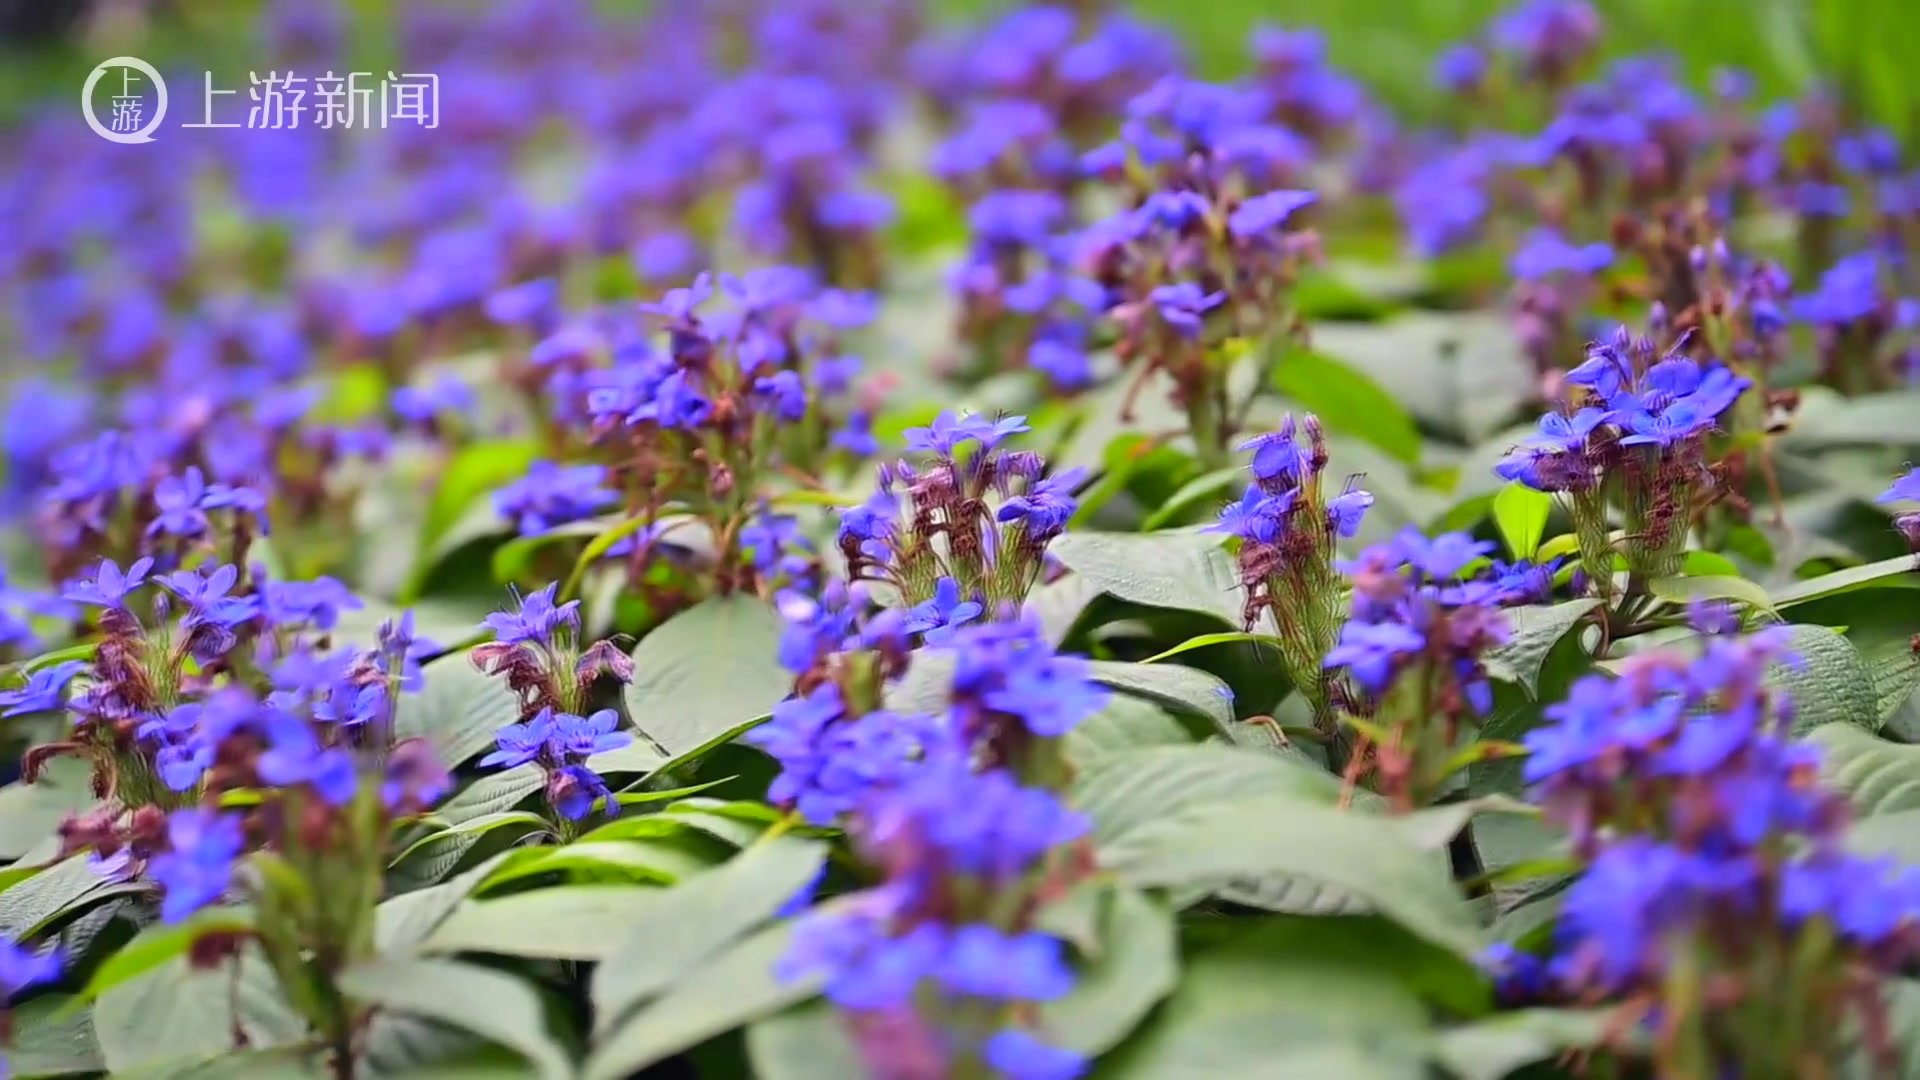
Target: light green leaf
(1177, 570)
(150, 950)
(52, 1035)
(473, 472)
(706, 671)
(1462, 373)
(29, 813)
(1365, 856)
(489, 1003)
(1683, 590)
(1224, 637)
(570, 922)
(1496, 1046)
(1136, 964)
(1830, 683)
(1878, 420)
(698, 919)
(1124, 723)
(1348, 401)
(1128, 791)
(175, 1014)
(1901, 571)
(1215, 486)
(807, 1042)
(458, 711)
(1059, 604)
(1536, 630)
(732, 990)
(1521, 514)
(468, 832)
(402, 922)
(1173, 686)
(1879, 777)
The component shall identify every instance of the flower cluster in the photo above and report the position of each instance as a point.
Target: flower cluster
(1424, 614)
(1287, 527)
(1632, 435)
(536, 648)
(1714, 863)
(966, 529)
(22, 968)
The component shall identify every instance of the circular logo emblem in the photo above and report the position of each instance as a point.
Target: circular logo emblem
(132, 117)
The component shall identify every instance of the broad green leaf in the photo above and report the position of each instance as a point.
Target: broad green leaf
(706, 671)
(466, 833)
(1536, 630)
(1136, 964)
(458, 711)
(1173, 686)
(1901, 571)
(617, 862)
(807, 1042)
(489, 1003)
(1829, 683)
(513, 559)
(1224, 637)
(152, 949)
(1348, 401)
(1287, 997)
(1521, 514)
(1059, 604)
(1825, 420)
(1461, 374)
(1879, 777)
(52, 1035)
(1128, 791)
(473, 472)
(570, 922)
(698, 919)
(1895, 833)
(35, 903)
(1178, 570)
(1495, 1046)
(29, 813)
(1124, 723)
(1682, 590)
(175, 1014)
(1366, 856)
(729, 991)
(402, 922)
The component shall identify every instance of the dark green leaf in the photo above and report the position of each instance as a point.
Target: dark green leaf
(52, 1035)
(1536, 630)
(1829, 683)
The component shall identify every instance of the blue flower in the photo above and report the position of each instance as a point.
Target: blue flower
(865, 967)
(553, 495)
(1372, 651)
(941, 615)
(22, 968)
(1183, 305)
(521, 743)
(537, 619)
(1045, 508)
(109, 587)
(198, 867)
(1278, 456)
(178, 498)
(1905, 489)
(1258, 516)
(983, 962)
(1346, 510)
(1264, 213)
(573, 789)
(1546, 253)
(584, 736)
(1018, 1055)
(45, 690)
(207, 599)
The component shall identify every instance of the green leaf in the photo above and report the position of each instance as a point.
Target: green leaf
(489, 1003)
(1521, 514)
(474, 470)
(731, 990)
(1830, 683)
(1897, 572)
(1136, 964)
(458, 711)
(1879, 777)
(1367, 857)
(706, 671)
(698, 919)
(1174, 686)
(1895, 834)
(1496, 1046)
(402, 922)
(177, 1014)
(1536, 630)
(1224, 637)
(467, 833)
(1059, 604)
(1181, 571)
(29, 813)
(1288, 997)
(33, 904)
(513, 559)
(150, 950)
(1875, 420)
(1129, 791)
(1207, 487)
(52, 1035)
(1461, 374)
(1348, 401)
(807, 1042)
(1124, 723)
(570, 922)
(617, 862)
(1683, 590)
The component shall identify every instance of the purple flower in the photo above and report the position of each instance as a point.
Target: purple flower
(521, 743)
(1905, 489)
(1257, 516)
(45, 690)
(1278, 457)
(584, 736)
(1018, 1055)
(536, 620)
(198, 868)
(940, 616)
(178, 498)
(108, 587)
(1262, 214)
(983, 962)
(1046, 507)
(1182, 306)
(1546, 253)
(552, 495)
(22, 968)
(1372, 651)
